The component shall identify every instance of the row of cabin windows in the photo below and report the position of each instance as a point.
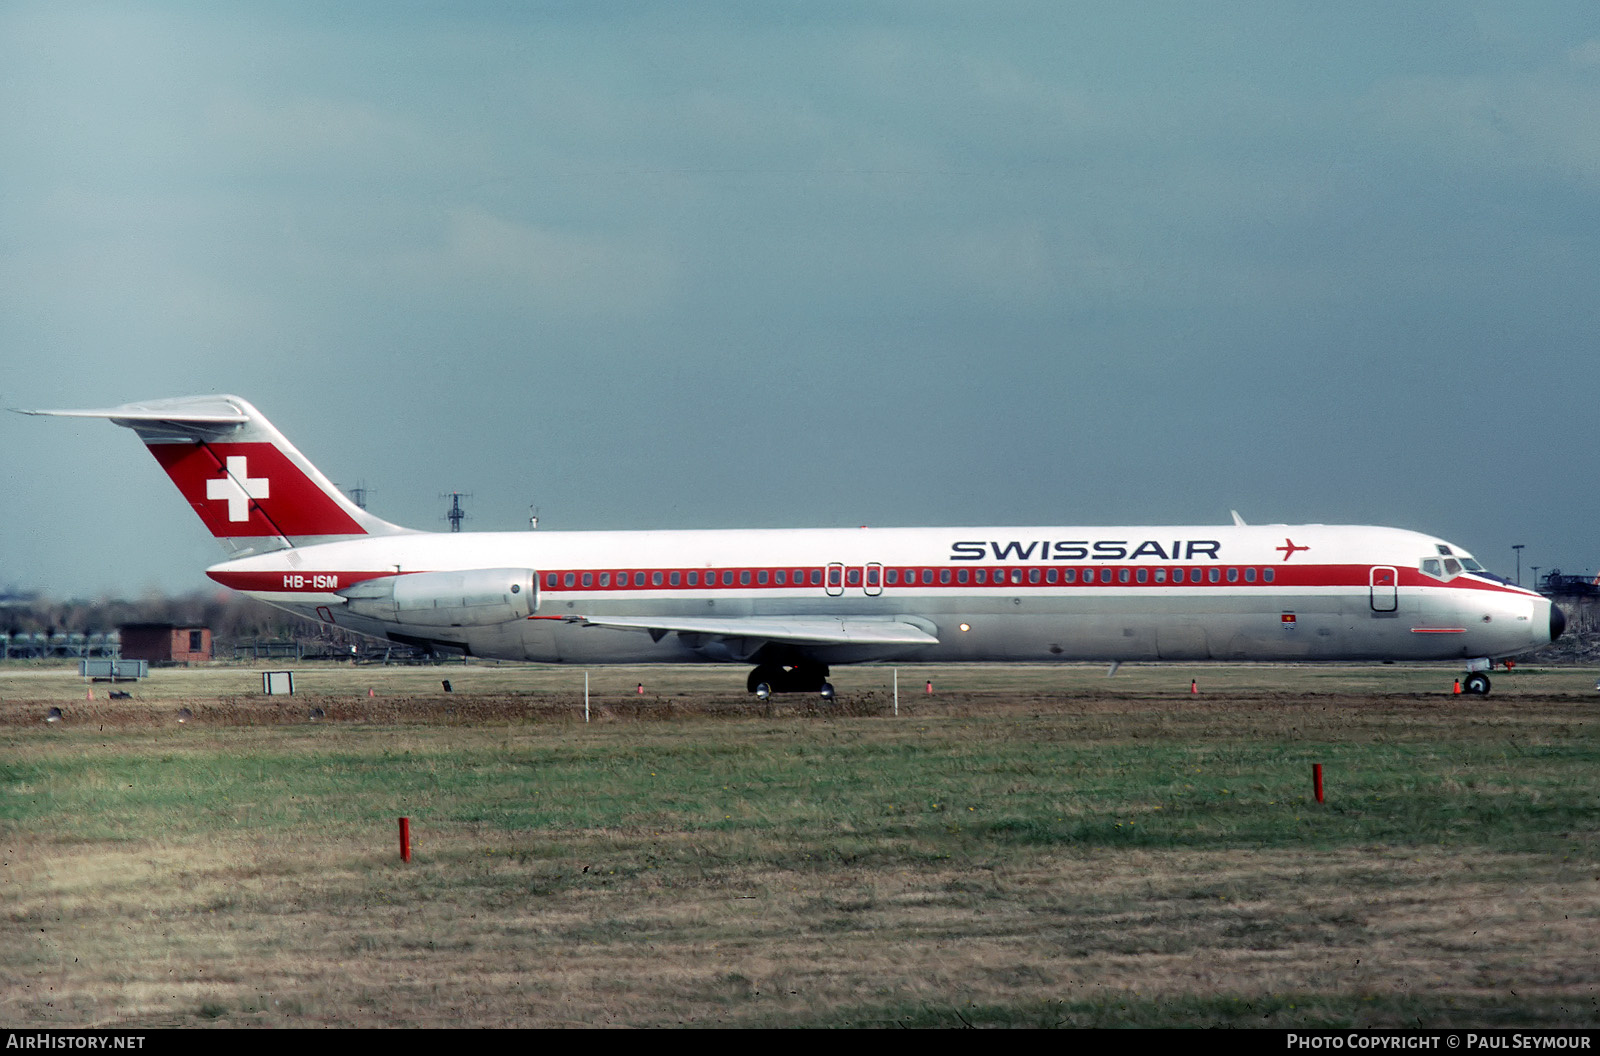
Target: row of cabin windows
(781, 577)
(800, 577)
(1054, 576)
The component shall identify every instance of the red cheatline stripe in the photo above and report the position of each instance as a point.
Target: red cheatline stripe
(294, 581)
(996, 577)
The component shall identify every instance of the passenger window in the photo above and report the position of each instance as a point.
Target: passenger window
(1249, 575)
(1267, 575)
(1233, 575)
(927, 577)
(780, 578)
(980, 576)
(961, 575)
(588, 579)
(1122, 575)
(1033, 575)
(853, 577)
(727, 579)
(1051, 574)
(761, 578)
(568, 579)
(1069, 575)
(744, 577)
(892, 577)
(1142, 576)
(1161, 575)
(694, 579)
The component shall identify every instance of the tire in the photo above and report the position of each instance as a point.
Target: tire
(1477, 683)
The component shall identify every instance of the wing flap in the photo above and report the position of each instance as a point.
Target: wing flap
(799, 630)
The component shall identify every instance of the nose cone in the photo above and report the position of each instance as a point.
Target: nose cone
(1558, 622)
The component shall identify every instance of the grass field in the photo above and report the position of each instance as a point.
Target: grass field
(1027, 846)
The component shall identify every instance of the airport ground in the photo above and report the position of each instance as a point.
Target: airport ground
(1027, 845)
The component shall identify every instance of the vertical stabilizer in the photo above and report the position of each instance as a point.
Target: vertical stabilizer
(253, 490)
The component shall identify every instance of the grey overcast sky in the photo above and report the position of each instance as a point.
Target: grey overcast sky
(808, 264)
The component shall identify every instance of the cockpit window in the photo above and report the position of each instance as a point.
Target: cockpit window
(1449, 564)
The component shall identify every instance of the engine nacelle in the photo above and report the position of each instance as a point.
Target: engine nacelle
(479, 597)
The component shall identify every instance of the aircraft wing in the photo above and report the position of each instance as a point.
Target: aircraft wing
(796, 630)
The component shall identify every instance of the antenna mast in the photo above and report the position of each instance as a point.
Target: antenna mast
(455, 515)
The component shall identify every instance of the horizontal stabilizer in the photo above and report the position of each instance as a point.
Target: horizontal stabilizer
(188, 410)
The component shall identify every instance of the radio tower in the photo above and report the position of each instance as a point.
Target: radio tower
(456, 514)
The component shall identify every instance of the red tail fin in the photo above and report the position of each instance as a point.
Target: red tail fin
(252, 489)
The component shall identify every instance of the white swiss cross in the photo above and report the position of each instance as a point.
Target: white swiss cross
(237, 488)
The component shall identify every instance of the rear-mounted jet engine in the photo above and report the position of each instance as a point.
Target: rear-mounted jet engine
(480, 597)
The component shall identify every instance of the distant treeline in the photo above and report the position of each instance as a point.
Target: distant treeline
(231, 617)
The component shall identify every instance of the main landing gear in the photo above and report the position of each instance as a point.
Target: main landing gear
(768, 679)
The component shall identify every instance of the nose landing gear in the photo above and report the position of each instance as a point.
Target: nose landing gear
(1476, 680)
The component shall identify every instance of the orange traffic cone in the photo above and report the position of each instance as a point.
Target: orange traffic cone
(1194, 685)
(1458, 687)
(641, 689)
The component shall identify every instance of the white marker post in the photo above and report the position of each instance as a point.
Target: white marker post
(586, 696)
(897, 692)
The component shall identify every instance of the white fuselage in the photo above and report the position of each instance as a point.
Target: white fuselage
(1270, 592)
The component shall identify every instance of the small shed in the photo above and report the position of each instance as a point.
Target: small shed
(166, 643)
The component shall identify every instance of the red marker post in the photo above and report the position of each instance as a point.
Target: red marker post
(405, 839)
(1316, 779)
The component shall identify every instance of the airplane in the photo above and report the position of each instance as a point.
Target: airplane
(792, 603)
